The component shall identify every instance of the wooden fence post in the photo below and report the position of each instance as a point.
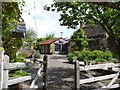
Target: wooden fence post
(6, 72)
(45, 62)
(1, 68)
(77, 75)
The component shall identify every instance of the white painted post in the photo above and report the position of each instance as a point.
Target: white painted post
(6, 72)
(1, 69)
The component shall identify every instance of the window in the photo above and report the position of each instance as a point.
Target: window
(57, 47)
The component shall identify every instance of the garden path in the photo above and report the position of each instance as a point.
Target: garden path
(61, 74)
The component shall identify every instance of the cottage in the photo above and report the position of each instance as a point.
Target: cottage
(57, 45)
(96, 37)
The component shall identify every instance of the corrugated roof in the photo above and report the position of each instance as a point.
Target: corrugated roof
(49, 41)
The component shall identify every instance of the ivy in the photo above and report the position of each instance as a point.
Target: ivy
(11, 15)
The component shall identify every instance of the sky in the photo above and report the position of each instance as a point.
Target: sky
(46, 22)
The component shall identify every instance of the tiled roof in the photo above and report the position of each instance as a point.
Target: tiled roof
(92, 31)
(49, 41)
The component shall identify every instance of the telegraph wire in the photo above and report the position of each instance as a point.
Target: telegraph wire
(35, 18)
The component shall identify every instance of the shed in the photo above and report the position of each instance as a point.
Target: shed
(57, 45)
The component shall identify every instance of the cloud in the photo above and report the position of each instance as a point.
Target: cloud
(46, 22)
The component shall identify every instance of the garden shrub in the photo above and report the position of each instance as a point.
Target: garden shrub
(70, 57)
(85, 55)
(107, 55)
(78, 54)
(98, 54)
(79, 57)
(20, 58)
(88, 56)
(18, 73)
(100, 60)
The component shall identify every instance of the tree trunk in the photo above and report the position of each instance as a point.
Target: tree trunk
(116, 45)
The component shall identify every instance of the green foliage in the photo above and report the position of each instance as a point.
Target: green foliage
(100, 60)
(70, 57)
(107, 56)
(37, 54)
(19, 58)
(88, 56)
(18, 73)
(79, 38)
(98, 53)
(11, 15)
(78, 54)
(11, 45)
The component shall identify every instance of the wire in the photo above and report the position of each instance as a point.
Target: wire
(35, 18)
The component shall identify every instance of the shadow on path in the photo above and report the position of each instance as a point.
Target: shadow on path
(60, 78)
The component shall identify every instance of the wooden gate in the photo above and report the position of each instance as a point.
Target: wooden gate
(97, 79)
(5, 67)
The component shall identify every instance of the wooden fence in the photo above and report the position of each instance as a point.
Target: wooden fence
(91, 78)
(5, 67)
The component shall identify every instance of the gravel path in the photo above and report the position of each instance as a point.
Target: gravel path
(60, 73)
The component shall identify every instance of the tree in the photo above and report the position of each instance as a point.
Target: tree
(49, 36)
(72, 13)
(31, 37)
(11, 15)
(114, 5)
(79, 38)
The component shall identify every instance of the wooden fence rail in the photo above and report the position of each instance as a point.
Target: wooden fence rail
(5, 67)
(97, 79)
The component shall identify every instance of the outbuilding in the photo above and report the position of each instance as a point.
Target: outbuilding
(54, 46)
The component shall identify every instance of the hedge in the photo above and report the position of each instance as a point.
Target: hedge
(88, 56)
